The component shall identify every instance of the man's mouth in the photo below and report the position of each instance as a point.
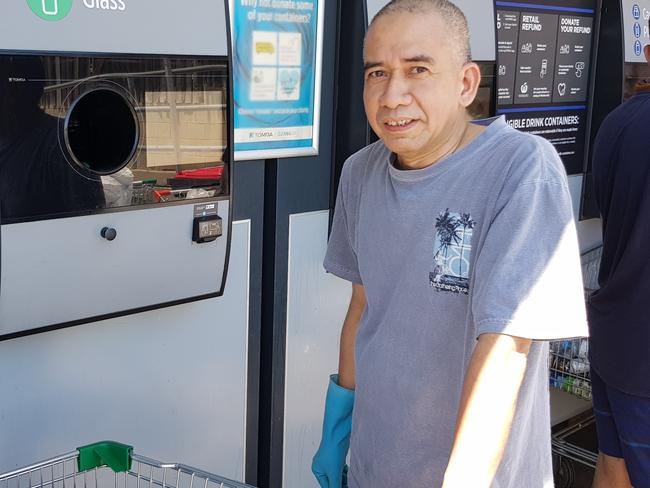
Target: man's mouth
(399, 124)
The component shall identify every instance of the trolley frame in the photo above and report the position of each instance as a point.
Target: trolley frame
(110, 463)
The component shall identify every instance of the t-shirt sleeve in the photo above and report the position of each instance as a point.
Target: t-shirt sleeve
(341, 256)
(528, 280)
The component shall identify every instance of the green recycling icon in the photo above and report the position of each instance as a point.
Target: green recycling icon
(50, 9)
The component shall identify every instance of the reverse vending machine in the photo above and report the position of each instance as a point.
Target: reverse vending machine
(115, 146)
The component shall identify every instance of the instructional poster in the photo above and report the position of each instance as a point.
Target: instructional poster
(276, 67)
(544, 51)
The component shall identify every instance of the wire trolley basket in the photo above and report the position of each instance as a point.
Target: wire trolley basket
(111, 465)
(569, 359)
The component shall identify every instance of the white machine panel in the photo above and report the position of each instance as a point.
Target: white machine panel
(73, 273)
(480, 16)
(123, 168)
(115, 26)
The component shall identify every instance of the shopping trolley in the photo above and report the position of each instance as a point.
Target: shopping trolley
(569, 370)
(111, 465)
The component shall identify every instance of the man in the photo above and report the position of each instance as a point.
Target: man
(618, 315)
(460, 243)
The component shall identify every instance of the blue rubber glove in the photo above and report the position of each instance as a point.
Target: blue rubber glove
(328, 464)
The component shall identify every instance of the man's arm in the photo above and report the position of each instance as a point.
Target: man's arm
(328, 464)
(348, 335)
(486, 410)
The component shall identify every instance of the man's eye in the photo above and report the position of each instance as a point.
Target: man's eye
(376, 74)
(418, 70)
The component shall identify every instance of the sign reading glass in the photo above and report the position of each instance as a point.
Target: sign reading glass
(101, 131)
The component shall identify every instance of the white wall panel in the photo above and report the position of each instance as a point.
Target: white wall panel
(317, 303)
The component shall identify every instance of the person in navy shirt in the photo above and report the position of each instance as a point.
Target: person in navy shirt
(618, 312)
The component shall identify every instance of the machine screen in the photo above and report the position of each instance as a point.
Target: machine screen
(83, 134)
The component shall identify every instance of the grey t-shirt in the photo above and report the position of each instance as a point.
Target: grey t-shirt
(483, 241)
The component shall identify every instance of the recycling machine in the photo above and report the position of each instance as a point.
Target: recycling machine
(115, 143)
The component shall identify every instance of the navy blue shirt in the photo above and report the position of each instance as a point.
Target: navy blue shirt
(619, 318)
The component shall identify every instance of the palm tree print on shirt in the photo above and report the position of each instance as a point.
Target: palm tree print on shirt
(467, 223)
(452, 250)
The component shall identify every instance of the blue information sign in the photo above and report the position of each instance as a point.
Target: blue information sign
(277, 70)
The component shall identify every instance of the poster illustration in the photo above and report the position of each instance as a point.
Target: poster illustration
(276, 71)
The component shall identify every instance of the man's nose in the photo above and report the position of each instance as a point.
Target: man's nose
(397, 92)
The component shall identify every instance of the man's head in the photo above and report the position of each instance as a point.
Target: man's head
(418, 78)
(453, 17)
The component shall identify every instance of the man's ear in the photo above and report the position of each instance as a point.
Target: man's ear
(470, 79)
(646, 51)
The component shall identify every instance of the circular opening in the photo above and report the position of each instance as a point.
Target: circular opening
(101, 131)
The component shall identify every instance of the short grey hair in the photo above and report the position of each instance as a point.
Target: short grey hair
(451, 15)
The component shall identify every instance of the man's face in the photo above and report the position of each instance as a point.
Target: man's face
(413, 83)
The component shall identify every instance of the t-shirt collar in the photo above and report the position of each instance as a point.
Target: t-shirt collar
(494, 126)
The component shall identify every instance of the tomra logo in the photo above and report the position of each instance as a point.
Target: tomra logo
(50, 9)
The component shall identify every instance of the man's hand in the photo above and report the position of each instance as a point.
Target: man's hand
(486, 410)
(328, 464)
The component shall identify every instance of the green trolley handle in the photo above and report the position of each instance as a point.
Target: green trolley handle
(107, 453)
